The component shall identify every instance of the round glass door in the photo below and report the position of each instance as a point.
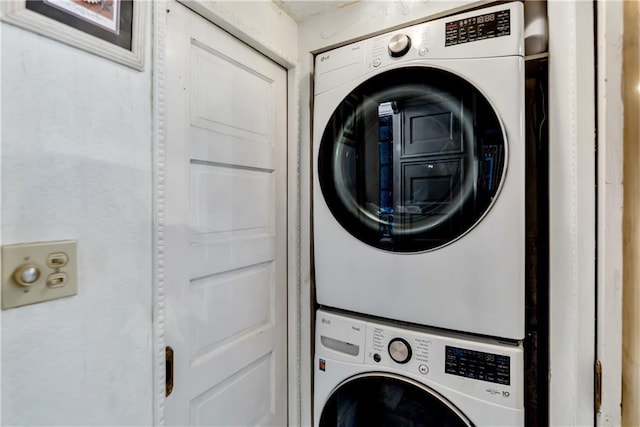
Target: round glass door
(412, 159)
(383, 400)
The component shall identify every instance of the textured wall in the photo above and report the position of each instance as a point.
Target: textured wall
(76, 164)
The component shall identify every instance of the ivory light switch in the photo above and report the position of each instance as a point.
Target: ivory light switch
(36, 272)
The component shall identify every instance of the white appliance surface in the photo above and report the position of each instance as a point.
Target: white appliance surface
(347, 347)
(476, 283)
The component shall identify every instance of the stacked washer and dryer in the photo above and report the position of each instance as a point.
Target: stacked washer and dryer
(419, 225)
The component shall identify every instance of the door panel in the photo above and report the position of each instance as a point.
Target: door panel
(432, 129)
(250, 386)
(225, 245)
(215, 209)
(428, 186)
(252, 292)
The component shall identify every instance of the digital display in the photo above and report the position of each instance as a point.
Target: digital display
(477, 365)
(487, 26)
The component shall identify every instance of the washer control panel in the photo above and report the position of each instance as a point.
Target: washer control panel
(483, 368)
(480, 367)
(494, 368)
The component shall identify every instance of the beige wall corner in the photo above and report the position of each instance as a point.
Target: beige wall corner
(631, 221)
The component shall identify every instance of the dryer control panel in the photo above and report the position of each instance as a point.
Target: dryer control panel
(484, 368)
(493, 32)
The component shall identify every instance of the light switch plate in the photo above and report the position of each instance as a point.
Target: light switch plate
(56, 263)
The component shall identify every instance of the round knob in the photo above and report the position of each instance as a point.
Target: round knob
(399, 45)
(26, 275)
(399, 350)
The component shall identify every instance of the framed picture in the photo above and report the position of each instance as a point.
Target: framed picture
(113, 29)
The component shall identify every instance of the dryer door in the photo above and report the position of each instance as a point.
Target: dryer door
(380, 399)
(412, 159)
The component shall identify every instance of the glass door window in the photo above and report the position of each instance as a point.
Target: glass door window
(412, 159)
(383, 400)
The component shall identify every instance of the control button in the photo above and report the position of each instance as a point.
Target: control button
(377, 62)
(377, 358)
(423, 51)
(26, 275)
(424, 369)
(399, 45)
(399, 350)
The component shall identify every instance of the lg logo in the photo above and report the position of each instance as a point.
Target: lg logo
(325, 58)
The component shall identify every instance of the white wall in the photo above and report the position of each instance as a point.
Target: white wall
(76, 164)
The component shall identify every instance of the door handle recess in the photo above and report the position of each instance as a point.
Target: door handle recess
(168, 374)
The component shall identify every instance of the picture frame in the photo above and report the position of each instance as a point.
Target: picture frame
(112, 29)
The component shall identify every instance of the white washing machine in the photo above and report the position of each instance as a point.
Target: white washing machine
(419, 174)
(375, 374)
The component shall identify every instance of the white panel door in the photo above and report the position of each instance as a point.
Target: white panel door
(225, 242)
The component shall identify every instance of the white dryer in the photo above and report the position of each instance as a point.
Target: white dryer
(375, 374)
(419, 174)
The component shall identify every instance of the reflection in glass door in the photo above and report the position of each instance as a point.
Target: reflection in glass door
(412, 159)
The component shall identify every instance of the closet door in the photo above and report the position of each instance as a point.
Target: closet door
(225, 240)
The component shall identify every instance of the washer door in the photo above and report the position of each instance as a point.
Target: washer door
(379, 399)
(412, 159)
